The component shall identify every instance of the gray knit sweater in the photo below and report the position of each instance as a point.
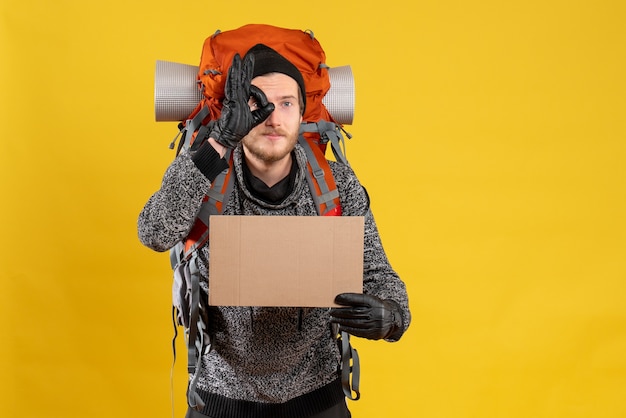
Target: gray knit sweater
(273, 361)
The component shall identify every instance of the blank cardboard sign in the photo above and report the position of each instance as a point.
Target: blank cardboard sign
(302, 261)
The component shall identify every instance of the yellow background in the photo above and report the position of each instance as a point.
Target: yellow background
(490, 135)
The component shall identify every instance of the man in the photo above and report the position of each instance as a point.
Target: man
(272, 362)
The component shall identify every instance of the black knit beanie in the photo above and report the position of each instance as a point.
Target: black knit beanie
(266, 60)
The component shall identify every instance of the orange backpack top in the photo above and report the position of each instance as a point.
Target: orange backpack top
(301, 48)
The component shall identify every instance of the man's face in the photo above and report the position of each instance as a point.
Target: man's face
(274, 139)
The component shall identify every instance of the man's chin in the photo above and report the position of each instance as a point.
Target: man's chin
(268, 152)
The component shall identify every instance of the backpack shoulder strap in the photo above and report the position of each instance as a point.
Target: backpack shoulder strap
(186, 286)
(326, 196)
(328, 132)
(213, 204)
(321, 180)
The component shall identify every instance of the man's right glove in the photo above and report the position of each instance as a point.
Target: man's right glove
(237, 119)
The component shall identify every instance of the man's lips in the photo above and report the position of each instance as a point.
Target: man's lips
(273, 135)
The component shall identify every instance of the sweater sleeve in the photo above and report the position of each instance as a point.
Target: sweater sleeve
(170, 212)
(208, 161)
(379, 277)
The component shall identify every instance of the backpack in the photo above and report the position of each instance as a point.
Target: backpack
(317, 130)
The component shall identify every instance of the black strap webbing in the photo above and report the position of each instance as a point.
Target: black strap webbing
(349, 366)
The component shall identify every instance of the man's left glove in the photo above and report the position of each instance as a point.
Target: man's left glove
(368, 316)
(237, 119)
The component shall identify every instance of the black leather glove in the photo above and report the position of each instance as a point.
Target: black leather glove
(237, 119)
(368, 316)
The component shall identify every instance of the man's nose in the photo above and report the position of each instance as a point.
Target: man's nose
(273, 119)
